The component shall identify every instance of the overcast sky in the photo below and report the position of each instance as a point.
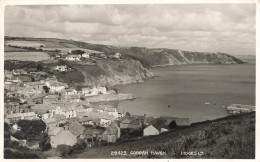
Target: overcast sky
(226, 28)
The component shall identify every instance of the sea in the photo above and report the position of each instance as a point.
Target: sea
(197, 92)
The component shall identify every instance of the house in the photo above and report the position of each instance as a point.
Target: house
(129, 122)
(111, 134)
(163, 130)
(11, 107)
(60, 119)
(37, 87)
(50, 99)
(29, 116)
(91, 133)
(105, 119)
(77, 129)
(10, 86)
(68, 110)
(57, 56)
(85, 55)
(8, 74)
(73, 57)
(56, 87)
(44, 111)
(109, 109)
(25, 78)
(73, 98)
(94, 91)
(14, 117)
(61, 68)
(117, 55)
(70, 92)
(50, 122)
(87, 91)
(142, 119)
(19, 72)
(64, 137)
(36, 99)
(150, 130)
(86, 121)
(53, 131)
(102, 90)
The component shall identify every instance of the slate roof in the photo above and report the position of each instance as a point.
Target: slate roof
(59, 117)
(16, 115)
(49, 120)
(76, 128)
(11, 104)
(53, 131)
(74, 96)
(128, 119)
(85, 119)
(69, 90)
(111, 130)
(108, 108)
(28, 114)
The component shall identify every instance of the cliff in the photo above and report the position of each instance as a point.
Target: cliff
(112, 72)
(134, 66)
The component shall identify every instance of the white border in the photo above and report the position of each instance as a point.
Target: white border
(4, 3)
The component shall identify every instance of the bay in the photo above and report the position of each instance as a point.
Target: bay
(182, 91)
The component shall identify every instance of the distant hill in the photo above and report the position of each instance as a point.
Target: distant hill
(135, 62)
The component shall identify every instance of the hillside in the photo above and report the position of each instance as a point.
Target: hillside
(134, 65)
(232, 137)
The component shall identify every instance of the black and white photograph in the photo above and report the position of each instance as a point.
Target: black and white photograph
(129, 81)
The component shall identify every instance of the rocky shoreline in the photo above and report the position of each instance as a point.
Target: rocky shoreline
(109, 97)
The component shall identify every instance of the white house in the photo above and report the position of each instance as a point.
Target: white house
(117, 55)
(164, 130)
(85, 55)
(73, 57)
(94, 91)
(56, 87)
(68, 110)
(151, 130)
(102, 90)
(70, 92)
(61, 68)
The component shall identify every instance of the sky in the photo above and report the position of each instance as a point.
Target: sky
(228, 28)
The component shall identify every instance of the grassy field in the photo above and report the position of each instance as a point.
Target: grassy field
(26, 56)
(14, 49)
(232, 137)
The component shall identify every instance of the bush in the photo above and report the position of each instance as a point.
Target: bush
(30, 129)
(10, 154)
(64, 150)
(79, 146)
(44, 143)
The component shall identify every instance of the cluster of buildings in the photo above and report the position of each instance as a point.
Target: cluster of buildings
(70, 55)
(67, 117)
(238, 108)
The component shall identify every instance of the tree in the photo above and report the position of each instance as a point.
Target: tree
(77, 52)
(31, 129)
(39, 67)
(46, 89)
(44, 143)
(64, 150)
(172, 125)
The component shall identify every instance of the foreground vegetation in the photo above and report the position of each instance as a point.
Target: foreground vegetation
(232, 137)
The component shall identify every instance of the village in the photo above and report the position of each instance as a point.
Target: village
(68, 116)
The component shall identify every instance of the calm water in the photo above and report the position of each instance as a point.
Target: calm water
(186, 88)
